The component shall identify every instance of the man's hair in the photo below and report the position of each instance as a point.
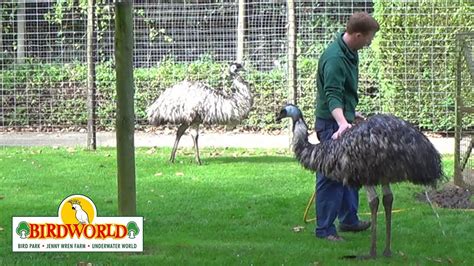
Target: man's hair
(362, 22)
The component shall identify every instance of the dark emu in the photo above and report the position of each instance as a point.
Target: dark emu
(378, 151)
(191, 103)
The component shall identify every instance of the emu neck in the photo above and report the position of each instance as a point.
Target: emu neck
(241, 86)
(305, 152)
(300, 133)
(242, 98)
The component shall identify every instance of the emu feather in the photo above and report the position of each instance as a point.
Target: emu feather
(379, 151)
(191, 103)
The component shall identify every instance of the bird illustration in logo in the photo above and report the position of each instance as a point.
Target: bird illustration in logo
(81, 215)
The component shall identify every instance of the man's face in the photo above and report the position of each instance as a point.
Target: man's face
(364, 40)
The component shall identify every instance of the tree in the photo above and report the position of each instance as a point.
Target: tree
(23, 230)
(133, 229)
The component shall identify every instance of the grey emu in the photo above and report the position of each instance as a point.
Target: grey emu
(378, 151)
(191, 103)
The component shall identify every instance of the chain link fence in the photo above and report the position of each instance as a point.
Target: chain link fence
(409, 70)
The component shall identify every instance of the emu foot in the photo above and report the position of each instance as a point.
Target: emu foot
(360, 257)
(367, 257)
(387, 253)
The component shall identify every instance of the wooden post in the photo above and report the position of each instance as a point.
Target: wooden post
(21, 28)
(125, 109)
(241, 31)
(458, 122)
(91, 88)
(292, 91)
(1, 33)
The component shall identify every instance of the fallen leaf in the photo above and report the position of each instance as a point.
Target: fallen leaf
(158, 174)
(71, 150)
(179, 173)
(298, 229)
(1, 229)
(438, 260)
(151, 151)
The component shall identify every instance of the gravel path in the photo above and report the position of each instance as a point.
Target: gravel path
(107, 139)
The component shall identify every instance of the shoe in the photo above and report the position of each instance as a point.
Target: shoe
(334, 238)
(361, 226)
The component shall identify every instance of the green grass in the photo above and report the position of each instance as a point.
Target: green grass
(239, 207)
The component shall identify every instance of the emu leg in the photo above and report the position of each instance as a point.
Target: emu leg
(181, 129)
(374, 205)
(195, 135)
(387, 204)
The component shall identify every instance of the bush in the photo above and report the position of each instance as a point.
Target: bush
(417, 55)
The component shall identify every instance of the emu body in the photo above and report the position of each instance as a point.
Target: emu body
(378, 151)
(192, 103)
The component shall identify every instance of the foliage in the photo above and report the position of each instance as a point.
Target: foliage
(409, 71)
(417, 55)
(35, 90)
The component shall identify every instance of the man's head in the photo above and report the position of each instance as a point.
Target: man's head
(361, 29)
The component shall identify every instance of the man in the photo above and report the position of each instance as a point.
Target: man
(337, 97)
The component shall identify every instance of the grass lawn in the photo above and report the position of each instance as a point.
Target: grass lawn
(239, 207)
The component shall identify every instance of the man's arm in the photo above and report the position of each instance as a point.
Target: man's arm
(338, 115)
(334, 77)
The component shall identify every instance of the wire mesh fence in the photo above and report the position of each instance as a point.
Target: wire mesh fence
(464, 160)
(409, 70)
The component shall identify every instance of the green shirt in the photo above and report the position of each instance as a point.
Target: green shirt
(337, 79)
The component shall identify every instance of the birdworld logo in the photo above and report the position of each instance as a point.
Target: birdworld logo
(77, 228)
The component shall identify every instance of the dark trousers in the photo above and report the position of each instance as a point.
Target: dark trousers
(333, 199)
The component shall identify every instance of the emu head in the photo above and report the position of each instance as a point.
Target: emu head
(289, 110)
(234, 68)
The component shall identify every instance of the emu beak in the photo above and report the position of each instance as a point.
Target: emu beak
(280, 116)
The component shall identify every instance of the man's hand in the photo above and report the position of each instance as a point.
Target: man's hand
(342, 128)
(359, 115)
(338, 115)
(359, 118)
